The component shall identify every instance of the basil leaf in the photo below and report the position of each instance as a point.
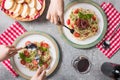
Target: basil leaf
(28, 60)
(43, 49)
(41, 62)
(85, 16)
(22, 56)
(80, 15)
(89, 16)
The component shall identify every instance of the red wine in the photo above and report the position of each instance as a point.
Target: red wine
(81, 64)
(111, 70)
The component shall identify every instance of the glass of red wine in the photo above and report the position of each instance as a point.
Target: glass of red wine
(81, 64)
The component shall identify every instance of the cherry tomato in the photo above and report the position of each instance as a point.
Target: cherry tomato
(68, 22)
(35, 62)
(22, 62)
(72, 26)
(26, 53)
(28, 42)
(43, 44)
(76, 34)
(76, 11)
(45, 65)
(94, 18)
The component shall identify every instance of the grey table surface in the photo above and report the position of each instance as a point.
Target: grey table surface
(65, 70)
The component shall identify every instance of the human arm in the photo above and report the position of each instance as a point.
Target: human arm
(7, 52)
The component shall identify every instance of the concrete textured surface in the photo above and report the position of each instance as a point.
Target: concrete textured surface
(65, 70)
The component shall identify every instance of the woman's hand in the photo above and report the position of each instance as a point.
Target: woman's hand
(7, 51)
(40, 75)
(56, 11)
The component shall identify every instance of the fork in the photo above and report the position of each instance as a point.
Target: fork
(71, 30)
(106, 43)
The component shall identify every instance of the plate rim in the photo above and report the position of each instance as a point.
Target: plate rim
(45, 35)
(101, 35)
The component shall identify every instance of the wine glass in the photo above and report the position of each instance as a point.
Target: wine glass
(81, 64)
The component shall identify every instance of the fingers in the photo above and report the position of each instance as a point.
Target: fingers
(61, 19)
(12, 50)
(56, 19)
(42, 76)
(11, 46)
(12, 54)
(48, 16)
(52, 19)
(19, 49)
(39, 71)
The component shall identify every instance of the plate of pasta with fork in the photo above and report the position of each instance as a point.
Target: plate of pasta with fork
(86, 24)
(38, 49)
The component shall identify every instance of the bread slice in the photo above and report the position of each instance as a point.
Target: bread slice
(20, 1)
(14, 7)
(32, 4)
(27, 1)
(25, 11)
(38, 5)
(32, 12)
(8, 4)
(18, 10)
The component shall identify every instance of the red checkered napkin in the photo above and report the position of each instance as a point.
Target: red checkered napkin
(113, 17)
(7, 38)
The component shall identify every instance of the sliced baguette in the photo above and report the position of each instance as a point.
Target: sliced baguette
(20, 1)
(8, 4)
(14, 7)
(18, 10)
(32, 12)
(38, 5)
(27, 1)
(25, 11)
(32, 4)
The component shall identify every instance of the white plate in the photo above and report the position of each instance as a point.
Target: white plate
(101, 27)
(38, 37)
